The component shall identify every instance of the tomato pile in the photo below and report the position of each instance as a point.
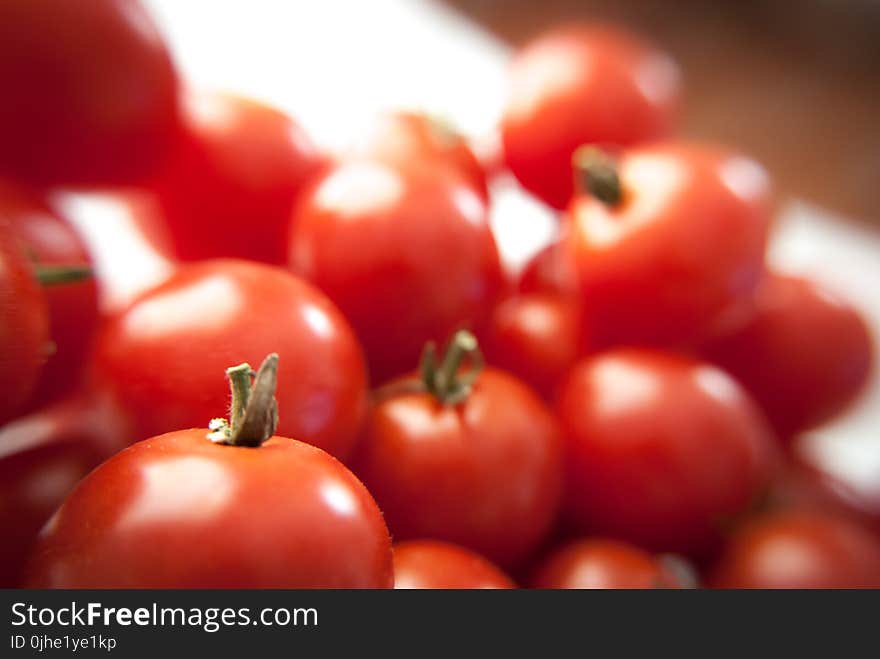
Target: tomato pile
(625, 412)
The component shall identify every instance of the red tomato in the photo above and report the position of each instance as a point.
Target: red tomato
(181, 511)
(49, 240)
(680, 252)
(804, 355)
(601, 564)
(661, 450)
(405, 138)
(231, 184)
(42, 457)
(800, 550)
(407, 254)
(430, 564)
(162, 353)
(24, 324)
(536, 337)
(549, 271)
(91, 92)
(577, 85)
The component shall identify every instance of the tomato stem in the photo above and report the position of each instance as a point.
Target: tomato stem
(253, 413)
(446, 383)
(54, 275)
(596, 173)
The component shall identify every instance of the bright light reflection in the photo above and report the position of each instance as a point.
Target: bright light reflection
(621, 385)
(359, 188)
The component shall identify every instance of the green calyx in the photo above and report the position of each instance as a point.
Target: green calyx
(253, 414)
(443, 380)
(596, 173)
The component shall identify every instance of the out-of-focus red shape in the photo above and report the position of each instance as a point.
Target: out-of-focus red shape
(42, 456)
(583, 84)
(89, 92)
(441, 565)
(804, 355)
(230, 185)
(799, 549)
(48, 239)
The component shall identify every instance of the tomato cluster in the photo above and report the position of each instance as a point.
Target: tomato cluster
(625, 414)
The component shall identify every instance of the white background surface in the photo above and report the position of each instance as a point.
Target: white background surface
(332, 64)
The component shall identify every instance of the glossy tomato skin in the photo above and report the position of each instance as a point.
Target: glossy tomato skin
(661, 450)
(42, 457)
(24, 324)
(804, 355)
(231, 182)
(430, 564)
(95, 92)
(49, 239)
(485, 474)
(284, 515)
(165, 354)
(599, 563)
(406, 254)
(683, 253)
(799, 549)
(583, 84)
(536, 337)
(406, 138)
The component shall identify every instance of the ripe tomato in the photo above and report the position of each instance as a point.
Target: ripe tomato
(676, 249)
(473, 462)
(51, 242)
(229, 187)
(577, 85)
(800, 550)
(536, 337)
(661, 450)
(549, 271)
(600, 564)
(24, 324)
(161, 354)
(406, 253)
(42, 457)
(181, 511)
(405, 138)
(804, 354)
(439, 565)
(91, 92)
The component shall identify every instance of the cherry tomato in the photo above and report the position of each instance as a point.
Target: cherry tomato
(49, 240)
(661, 450)
(186, 510)
(804, 354)
(549, 271)
(231, 184)
(477, 465)
(429, 564)
(24, 324)
(537, 338)
(600, 564)
(42, 457)
(800, 550)
(406, 253)
(404, 138)
(91, 92)
(676, 248)
(577, 85)
(161, 354)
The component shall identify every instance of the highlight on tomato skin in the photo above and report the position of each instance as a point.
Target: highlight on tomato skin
(660, 450)
(250, 509)
(799, 549)
(431, 564)
(230, 183)
(583, 84)
(601, 563)
(805, 353)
